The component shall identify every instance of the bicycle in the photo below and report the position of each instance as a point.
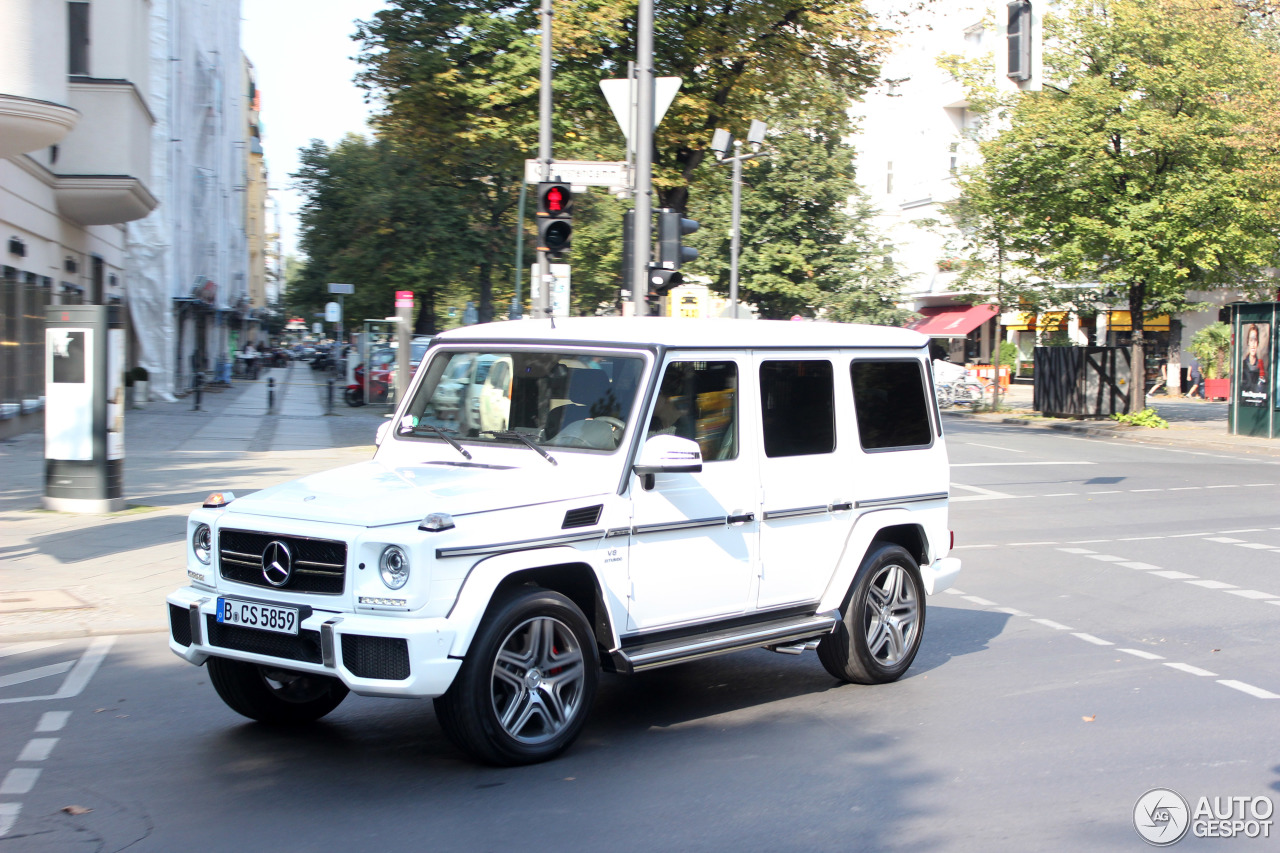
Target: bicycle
(964, 392)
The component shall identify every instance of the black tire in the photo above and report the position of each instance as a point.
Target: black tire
(354, 397)
(275, 696)
(507, 706)
(883, 622)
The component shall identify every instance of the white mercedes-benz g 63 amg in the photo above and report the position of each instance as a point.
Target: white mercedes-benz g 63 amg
(635, 493)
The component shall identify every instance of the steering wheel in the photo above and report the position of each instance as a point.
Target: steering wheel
(616, 423)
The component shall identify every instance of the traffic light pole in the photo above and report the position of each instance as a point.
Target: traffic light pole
(735, 231)
(644, 159)
(543, 298)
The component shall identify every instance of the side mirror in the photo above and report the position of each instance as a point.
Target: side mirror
(382, 433)
(669, 454)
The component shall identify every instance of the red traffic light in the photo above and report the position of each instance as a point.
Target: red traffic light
(555, 200)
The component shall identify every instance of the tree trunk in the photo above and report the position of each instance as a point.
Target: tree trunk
(485, 308)
(1137, 360)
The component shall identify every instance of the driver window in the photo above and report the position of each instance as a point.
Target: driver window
(698, 400)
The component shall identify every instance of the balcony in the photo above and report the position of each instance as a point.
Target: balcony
(27, 124)
(103, 166)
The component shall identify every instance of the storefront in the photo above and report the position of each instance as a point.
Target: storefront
(963, 332)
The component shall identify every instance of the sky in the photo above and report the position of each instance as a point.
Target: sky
(302, 54)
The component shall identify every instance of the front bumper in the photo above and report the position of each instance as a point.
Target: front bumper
(373, 655)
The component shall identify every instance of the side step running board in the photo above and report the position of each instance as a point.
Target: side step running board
(787, 632)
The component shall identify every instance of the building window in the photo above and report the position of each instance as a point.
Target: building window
(78, 38)
(888, 179)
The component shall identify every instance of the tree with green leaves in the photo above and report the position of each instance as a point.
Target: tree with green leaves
(1148, 162)
(459, 83)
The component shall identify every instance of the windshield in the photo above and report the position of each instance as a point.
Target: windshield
(553, 399)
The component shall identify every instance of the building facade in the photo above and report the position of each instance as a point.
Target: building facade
(76, 118)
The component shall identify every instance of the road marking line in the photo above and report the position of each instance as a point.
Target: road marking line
(38, 749)
(1139, 653)
(20, 780)
(1245, 530)
(953, 591)
(1248, 688)
(1049, 623)
(1185, 489)
(8, 817)
(1139, 538)
(971, 547)
(85, 668)
(1013, 611)
(1107, 492)
(993, 447)
(1257, 485)
(1173, 576)
(1224, 486)
(1021, 544)
(1193, 670)
(1107, 558)
(1212, 584)
(33, 674)
(1252, 593)
(1015, 464)
(1097, 641)
(1089, 541)
(1076, 551)
(1135, 491)
(23, 648)
(1061, 495)
(52, 721)
(977, 600)
(1142, 567)
(1225, 540)
(1257, 546)
(1185, 535)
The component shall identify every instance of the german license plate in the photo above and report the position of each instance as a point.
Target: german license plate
(255, 614)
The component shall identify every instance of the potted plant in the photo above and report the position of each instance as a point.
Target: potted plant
(139, 377)
(1212, 348)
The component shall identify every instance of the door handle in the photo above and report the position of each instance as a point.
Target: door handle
(742, 517)
(840, 506)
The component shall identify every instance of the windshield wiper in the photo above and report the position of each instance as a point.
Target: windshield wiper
(435, 429)
(519, 436)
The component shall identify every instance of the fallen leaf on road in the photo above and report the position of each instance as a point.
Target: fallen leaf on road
(1090, 718)
(76, 810)
(1215, 650)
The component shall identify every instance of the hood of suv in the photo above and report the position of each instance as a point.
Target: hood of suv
(371, 494)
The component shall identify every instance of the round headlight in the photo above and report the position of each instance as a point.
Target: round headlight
(202, 543)
(394, 566)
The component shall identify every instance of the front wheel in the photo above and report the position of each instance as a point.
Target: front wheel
(527, 683)
(276, 696)
(883, 622)
(354, 397)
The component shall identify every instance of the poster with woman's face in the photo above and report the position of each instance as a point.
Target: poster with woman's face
(1255, 350)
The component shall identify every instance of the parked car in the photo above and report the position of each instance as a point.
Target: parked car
(446, 400)
(664, 491)
(417, 349)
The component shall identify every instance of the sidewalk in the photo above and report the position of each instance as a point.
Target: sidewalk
(1195, 423)
(64, 574)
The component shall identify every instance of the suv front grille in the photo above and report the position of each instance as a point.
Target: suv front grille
(319, 565)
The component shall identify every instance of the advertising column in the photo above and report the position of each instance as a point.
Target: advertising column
(84, 408)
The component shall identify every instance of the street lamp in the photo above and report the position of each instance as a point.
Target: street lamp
(721, 143)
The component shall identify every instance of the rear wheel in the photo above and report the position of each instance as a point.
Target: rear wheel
(271, 695)
(528, 681)
(354, 397)
(883, 622)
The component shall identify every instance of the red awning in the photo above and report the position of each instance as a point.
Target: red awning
(952, 321)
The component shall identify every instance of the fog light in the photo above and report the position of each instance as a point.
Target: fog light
(394, 566)
(202, 543)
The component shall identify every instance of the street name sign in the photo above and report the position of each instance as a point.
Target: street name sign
(583, 173)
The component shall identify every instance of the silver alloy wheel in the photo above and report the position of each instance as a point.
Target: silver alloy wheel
(537, 681)
(892, 615)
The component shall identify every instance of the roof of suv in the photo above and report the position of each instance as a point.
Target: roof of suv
(679, 332)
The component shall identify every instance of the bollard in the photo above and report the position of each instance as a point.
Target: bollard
(271, 394)
(329, 403)
(199, 383)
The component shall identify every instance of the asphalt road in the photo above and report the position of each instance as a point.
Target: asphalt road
(1113, 632)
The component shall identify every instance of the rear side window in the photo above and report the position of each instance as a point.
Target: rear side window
(797, 402)
(891, 402)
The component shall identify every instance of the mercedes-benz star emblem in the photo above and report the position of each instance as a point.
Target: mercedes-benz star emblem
(277, 563)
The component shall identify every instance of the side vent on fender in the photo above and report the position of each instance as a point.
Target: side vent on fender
(584, 517)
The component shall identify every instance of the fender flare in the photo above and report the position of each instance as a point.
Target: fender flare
(856, 545)
(488, 573)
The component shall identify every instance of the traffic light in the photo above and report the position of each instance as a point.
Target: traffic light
(672, 226)
(1019, 35)
(554, 217)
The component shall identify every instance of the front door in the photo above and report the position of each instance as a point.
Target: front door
(694, 536)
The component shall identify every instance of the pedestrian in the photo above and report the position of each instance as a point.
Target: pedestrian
(251, 360)
(1197, 380)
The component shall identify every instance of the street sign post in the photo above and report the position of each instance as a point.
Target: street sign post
(582, 173)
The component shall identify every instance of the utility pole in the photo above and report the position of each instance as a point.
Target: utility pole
(721, 143)
(644, 158)
(543, 301)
